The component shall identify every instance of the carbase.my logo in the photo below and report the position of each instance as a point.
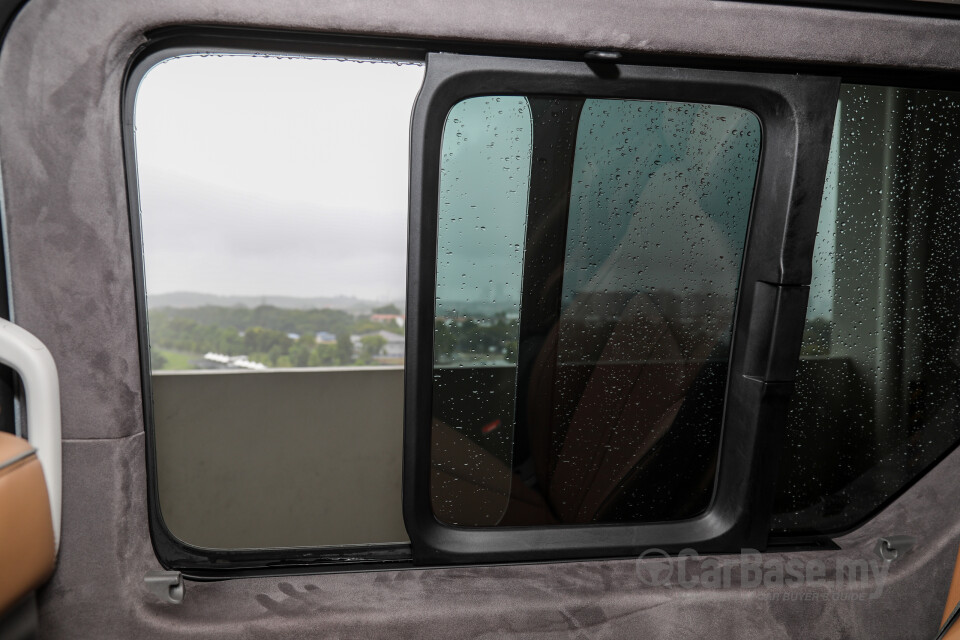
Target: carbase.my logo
(654, 568)
(834, 577)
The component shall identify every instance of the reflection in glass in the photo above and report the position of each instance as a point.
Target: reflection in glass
(635, 219)
(878, 388)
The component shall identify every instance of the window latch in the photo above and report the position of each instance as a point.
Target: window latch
(598, 55)
(166, 585)
(894, 547)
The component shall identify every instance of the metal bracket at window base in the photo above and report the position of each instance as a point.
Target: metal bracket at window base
(894, 547)
(166, 585)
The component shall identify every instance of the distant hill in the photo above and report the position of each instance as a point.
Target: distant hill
(188, 300)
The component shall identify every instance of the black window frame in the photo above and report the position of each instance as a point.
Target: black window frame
(932, 8)
(796, 114)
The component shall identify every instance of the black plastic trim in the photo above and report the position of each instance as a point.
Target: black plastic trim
(10, 386)
(782, 310)
(548, 200)
(796, 113)
(929, 8)
(9, 9)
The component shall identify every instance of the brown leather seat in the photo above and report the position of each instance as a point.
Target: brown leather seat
(26, 529)
(626, 402)
(953, 599)
(625, 399)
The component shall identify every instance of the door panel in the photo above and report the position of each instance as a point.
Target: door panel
(92, 594)
(62, 68)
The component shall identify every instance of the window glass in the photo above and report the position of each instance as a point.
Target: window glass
(273, 197)
(636, 215)
(484, 181)
(879, 380)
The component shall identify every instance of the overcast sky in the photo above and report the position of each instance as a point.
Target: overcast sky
(275, 176)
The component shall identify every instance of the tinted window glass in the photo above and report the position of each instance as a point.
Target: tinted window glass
(484, 181)
(879, 381)
(273, 198)
(635, 217)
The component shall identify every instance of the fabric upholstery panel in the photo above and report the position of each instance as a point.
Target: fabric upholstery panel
(98, 588)
(61, 72)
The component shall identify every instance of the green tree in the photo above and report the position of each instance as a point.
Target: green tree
(344, 348)
(219, 329)
(157, 360)
(274, 354)
(444, 341)
(327, 355)
(299, 355)
(372, 345)
(261, 339)
(262, 358)
(511, 351)
(230, 342)
(388, 310)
